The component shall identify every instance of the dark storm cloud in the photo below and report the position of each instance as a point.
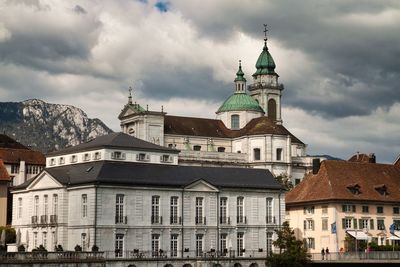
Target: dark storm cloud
(80, 10)
(349, 39)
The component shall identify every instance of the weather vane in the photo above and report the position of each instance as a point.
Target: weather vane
(130, 95)
(265, 31)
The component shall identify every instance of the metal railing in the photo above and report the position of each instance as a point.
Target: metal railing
(121, 219)
(63, 256)
(241, 220)
(357, 256)
(156, 219)
(270, 219)
(224, 220)
(200, 220)
(175, 220)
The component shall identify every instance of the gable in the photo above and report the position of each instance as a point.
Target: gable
(44, 181)
(201, 186)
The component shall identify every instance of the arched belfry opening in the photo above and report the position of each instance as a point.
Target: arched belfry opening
(272, 109)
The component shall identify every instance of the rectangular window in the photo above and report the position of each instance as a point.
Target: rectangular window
(155, 245)
(119, 208)
(73, 159)
(396, 210)
(363, 223)
(118, 155)
(83, 241)
(119, 245)
(309, 210)
(19, 213)
(257, 154)
(199, 210)
(269, 243)
(84, 205)
(235, 122)
(35, 241)
(46, 205)
(279, 154)
(61, 160)
(86, 157)
(324, 224)
(240, 244)
(222, 210)
(380, 224)
(55, 204)
(14, 168)
(54, 239)
(324, 209)
(365, 209)
(310, 225)
(311, 243)
(174, 210)
(36, 206)
(97, 155)
(379, 209)
(269, 214)
(396, 224)
(44, 239)
(349, 208)
(199, 245)
(196, 148)
(174, 245)
(155, 209)
(223, 244)
(347, 223)
(239, 210)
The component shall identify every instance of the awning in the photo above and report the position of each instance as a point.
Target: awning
(394, 237)
(359, 235)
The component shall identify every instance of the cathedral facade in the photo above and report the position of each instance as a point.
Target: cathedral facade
(248, 129)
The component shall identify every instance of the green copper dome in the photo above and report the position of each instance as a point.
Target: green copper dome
(240, 74)
(239, 102)
(265, 63)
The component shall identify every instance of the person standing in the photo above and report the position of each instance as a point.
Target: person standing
(323, 253)
(327, 253)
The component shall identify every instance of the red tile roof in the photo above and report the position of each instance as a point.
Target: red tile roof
(3, 172)
(12, 156)
(216, 128)
(335, 179)
(362, 158)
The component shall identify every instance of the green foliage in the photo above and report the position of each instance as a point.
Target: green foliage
(376, 247)
(286, 181)
(41, 248)
(95, 248)
(58, 248)
(78, 248)
(292, 252)
(21, 248)
(10, 234)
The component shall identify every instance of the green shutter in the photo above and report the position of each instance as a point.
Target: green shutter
(360, 223)
(355, 223)
(305, 225)
(371, 224)
(343, 223)
(343, 208)
(354, 208)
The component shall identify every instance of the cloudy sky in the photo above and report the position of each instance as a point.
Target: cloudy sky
(339, 61)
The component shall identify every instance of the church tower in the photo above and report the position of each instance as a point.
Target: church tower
(265, 88)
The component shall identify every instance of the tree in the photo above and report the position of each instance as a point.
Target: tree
(291, 251)
(285, 180)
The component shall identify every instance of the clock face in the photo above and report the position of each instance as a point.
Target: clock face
(131, 131)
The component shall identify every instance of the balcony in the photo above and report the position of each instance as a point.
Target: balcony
(224, 220)
(53, 219)
(156, 219)
(212, 157)
(200, 220)
(43, 219)
(121, 219)
(175, 220)
(241, 220)
(270, 219)
(35, 220)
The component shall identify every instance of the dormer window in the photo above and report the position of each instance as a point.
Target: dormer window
(354, 189)
(118, 155)
(196, 148)
(142, 157)
(61, 160)
(86, 157)
(52, 162)
(73, 159)
(166, 158)
(97, 155)
(221, 149)
(381, 189)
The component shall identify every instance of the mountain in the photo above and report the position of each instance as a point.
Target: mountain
(47, 127)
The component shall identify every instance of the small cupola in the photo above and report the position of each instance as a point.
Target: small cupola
(240, 80)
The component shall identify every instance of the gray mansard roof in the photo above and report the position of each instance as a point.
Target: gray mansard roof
(159, 175)
(114, 140)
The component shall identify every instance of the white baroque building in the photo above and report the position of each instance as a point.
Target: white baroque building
(130, 196)
(247, 131)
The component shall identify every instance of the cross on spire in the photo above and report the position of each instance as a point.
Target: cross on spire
(265, 31)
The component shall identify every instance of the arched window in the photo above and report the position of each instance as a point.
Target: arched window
(272, 109)
(235, 122)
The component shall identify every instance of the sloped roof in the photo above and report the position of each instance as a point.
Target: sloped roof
(114, 140)
(216, 128)
(397, 162)
(158, 175)
(4, 176)
(8, 142)
(334, 177)
(14, 156)
(361, 158)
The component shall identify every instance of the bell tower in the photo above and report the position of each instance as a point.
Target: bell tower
(265, 88)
